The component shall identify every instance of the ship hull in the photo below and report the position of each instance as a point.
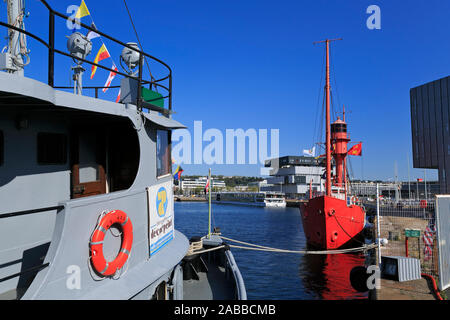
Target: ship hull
(329, 223)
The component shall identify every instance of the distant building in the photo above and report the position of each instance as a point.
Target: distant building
(417, 189)
(369, 188)
(395, 190)
(430, 121)
(192, 184)
(293, 175)
(258, 184)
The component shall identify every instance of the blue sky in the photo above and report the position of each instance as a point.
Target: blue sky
(252, 64)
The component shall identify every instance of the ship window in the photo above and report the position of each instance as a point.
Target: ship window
(163, 161)
(339, 127)
(1, 147)
(123, 158)
(51, 148)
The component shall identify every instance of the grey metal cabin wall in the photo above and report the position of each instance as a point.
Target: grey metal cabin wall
(78, 220)
(430, 109)
(33, 185)
(26, 185)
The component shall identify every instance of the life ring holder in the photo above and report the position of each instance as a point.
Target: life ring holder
(354, 200)
(97, 259)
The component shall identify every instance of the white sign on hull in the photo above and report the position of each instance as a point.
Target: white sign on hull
(161, 216)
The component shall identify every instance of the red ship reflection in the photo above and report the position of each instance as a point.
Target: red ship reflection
(328, 276)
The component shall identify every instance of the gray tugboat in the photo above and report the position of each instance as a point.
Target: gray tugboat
(86, 187)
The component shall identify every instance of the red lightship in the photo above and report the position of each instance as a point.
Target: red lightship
(335, 219)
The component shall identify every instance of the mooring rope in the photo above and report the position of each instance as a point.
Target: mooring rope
(251, 246)
(190, 253)
(196, 248)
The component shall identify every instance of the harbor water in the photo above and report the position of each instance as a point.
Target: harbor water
(269, 275)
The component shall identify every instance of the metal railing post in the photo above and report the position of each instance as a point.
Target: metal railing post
(139, 97)
(51, 47)
(170, 93)
(378, 225)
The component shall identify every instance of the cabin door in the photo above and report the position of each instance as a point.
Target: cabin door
(88, 163)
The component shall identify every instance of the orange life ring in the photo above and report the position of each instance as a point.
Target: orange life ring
(354, 199)
(96, 245)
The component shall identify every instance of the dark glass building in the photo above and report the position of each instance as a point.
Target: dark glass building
(430, 110)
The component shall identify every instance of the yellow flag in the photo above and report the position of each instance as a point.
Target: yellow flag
(82, 11)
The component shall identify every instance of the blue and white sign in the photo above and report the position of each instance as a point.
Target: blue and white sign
(161, 201)
(161, 217)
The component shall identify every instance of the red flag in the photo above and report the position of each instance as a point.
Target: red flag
(356, 150)
(110, 78)
(118, 97)
(207, 186)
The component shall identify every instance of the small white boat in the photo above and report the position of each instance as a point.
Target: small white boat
(275, 200)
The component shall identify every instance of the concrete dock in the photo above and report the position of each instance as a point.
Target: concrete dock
(420, 289)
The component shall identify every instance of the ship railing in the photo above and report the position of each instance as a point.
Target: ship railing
(156, 83)
(241, 292)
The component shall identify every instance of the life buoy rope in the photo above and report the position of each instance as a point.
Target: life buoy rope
(98, 260)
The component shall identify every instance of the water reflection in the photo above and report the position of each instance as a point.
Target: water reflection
(269, 275)
(328, 276)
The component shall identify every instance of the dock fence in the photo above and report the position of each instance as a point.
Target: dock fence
(410, 227)
(443, 236)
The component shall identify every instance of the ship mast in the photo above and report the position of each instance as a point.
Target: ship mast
(328, 120)
(15, 58)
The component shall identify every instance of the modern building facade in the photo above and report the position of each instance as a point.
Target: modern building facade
(293, 176)
(430, 110)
